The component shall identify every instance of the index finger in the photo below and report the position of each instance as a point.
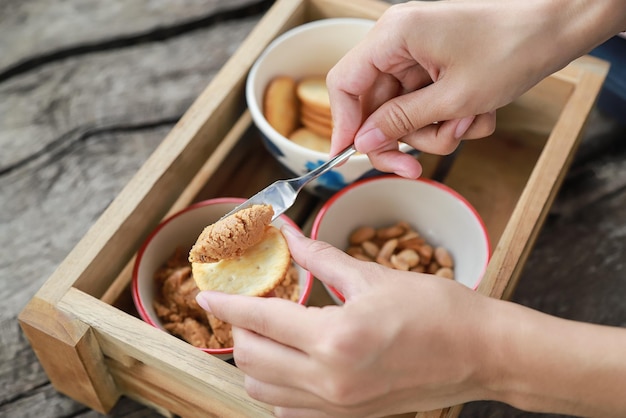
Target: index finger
(354, 76)
(351, 77)
(279, 319)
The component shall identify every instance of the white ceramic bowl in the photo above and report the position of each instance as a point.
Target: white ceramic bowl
(310, 49)
(182, 230)
(441, 215)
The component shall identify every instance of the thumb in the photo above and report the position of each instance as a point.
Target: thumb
(401, 117)
(328, 264)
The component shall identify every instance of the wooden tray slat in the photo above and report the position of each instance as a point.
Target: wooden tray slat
(184, 374)
(540, 191)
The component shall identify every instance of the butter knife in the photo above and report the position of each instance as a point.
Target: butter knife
(282, 193)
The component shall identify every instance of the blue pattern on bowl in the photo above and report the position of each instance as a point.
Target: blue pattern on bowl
(331, 180)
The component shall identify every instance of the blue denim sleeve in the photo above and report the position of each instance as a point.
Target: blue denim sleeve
(612, 98)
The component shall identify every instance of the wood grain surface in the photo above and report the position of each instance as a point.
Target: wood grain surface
(88, 89)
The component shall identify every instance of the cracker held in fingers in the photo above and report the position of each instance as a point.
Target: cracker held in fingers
(241, 254)
(254, 273)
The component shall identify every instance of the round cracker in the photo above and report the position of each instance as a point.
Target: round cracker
(280, 105)
(317, 127)
(312, 91)
(307, 112)
(254, 273)
(311, 140)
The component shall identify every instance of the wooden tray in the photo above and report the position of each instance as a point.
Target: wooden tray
(81, 323)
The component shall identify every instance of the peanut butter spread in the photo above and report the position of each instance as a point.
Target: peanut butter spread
(233, 235)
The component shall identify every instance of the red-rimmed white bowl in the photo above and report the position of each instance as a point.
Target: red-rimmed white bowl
(441, 215)
(182, 230)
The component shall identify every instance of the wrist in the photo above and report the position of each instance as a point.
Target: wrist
(578, 26)
(542, 363)
(494, 355)
(521, 356)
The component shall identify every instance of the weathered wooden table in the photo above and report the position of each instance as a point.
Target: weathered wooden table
(87, 91)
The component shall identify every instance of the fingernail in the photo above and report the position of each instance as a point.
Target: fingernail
(370, 140)
(463, 126)
(203, 302)
(288, 229)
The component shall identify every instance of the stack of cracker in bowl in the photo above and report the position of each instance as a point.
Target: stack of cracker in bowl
(300, 111)
(315, 106)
